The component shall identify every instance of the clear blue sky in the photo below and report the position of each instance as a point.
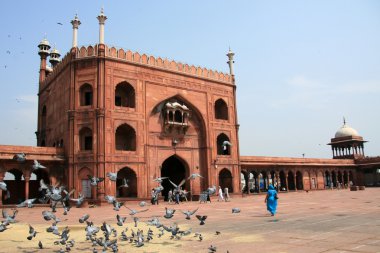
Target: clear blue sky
(300, 65)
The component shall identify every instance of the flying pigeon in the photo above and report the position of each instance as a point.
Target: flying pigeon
(194, 176)
(188, 213)
(9, 218)
(235, 210)
(179, 185)
(159, 179)
(169, 213)
(21, 157)
(116, 205)
(225, 143)
(125, 183)
(95, 180)
(211, 190)
(3, 226)
(59, 23)
(112, 176)
(201, 219)
(133, 212)
(32, 233)
(120, 220)
(79, 201)
(38, 165)
(110, 199)
(27, 203)
(43, 186)
(53, 229)
(84, 218)
(3, 186)
(158, 189)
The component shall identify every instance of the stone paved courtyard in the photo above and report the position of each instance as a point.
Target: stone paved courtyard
(328, 221)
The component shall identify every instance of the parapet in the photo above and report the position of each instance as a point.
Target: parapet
(155, 62)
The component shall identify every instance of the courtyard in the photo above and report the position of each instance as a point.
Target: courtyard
(328, 221)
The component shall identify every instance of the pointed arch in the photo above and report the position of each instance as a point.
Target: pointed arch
(221, 109)
(125, 95)
(223, 144)
(85, 95)
(130, 176)
(225, 179)
(85, 138)
(176, 169)
(125, 138)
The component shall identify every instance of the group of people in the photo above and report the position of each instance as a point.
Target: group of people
(223, 196)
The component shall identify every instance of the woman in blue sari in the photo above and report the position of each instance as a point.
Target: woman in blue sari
(271, 200)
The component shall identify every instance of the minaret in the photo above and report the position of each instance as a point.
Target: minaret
(231, 61)
(102, 18)
(43, 51)
(54, 57)
(76, 23)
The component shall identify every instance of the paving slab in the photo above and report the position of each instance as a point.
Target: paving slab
(318, 221)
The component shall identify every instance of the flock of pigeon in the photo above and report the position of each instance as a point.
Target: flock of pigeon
(105, 235)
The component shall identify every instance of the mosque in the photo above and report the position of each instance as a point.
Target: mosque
(105, 109)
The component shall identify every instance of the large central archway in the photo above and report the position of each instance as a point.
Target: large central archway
(176, 170)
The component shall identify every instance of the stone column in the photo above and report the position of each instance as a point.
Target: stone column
(27, 187)
(258, 183)
(295, 181)
(286, 182)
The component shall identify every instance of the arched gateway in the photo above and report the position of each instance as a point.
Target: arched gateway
(176, 170)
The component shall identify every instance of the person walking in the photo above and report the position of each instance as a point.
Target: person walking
(220, 194)
(170, 196)
(271, 200)
(226, 195)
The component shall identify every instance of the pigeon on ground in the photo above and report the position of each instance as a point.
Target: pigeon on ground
(120, 220)
(95, 180)
(27, 203)
(212, 248)
(135, 220)
(32, 233)
(21, 157)
(40, 245)
(84, 218)
(188, 213)
(235, 210)
(142, 203)
(38, 165)
(217, 232)
(53, 229)
(50, 216)
(154, 222)
(194, 176)
(112, 176)
(201, 219)
(185, 233)
(169, 213)
(159, 179)
(133, 211)
(125, 183)
(3, 186)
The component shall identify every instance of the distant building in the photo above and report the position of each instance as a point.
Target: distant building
(103, 109)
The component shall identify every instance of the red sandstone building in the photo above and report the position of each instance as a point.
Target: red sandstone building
(103, 109)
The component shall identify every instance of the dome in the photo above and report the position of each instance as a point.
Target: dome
(54, 51)
(44, 42)
(345, 131)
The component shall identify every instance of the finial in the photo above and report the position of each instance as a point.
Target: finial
(102, 10)
(344, 120)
